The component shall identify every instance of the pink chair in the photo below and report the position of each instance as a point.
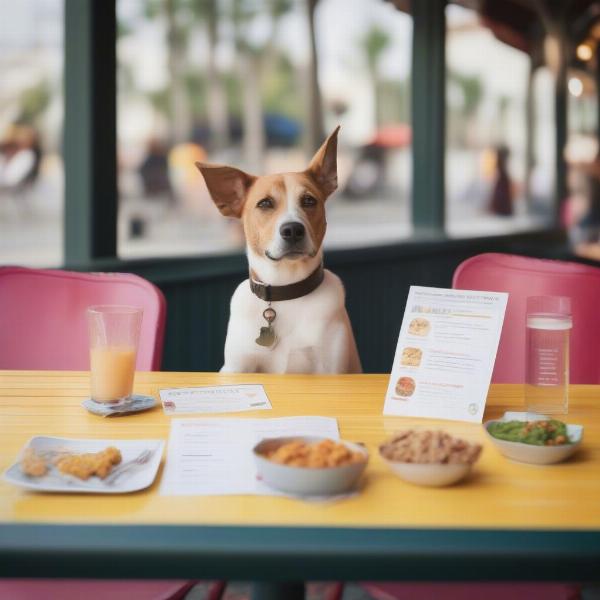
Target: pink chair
(521, 277)
(42, 316)
(42, 320)
(475, 591)
(93, 589)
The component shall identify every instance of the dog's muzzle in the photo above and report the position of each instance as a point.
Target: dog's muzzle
(293, 242)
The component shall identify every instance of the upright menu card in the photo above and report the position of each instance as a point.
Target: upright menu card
(445, 354)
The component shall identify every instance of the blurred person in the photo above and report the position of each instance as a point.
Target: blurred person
(368, 173)
(501, 201)
(21, 159)
(154, 172)
(181, 160)
(8, 145)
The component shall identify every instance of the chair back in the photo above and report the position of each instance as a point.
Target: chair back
(43, 321)
(521, 277)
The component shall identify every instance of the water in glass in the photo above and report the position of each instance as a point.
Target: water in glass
(547, 376)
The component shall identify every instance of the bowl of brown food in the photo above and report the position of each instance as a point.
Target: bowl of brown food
(310, 466)
(429, 458)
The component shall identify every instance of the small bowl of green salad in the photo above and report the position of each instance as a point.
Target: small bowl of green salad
(535, 439)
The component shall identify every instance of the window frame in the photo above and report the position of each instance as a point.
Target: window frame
(90, 132)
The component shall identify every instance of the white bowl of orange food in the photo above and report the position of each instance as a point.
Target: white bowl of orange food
(310, 466)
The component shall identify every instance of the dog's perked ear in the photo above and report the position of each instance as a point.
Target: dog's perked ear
(227, 186)
(323, 166)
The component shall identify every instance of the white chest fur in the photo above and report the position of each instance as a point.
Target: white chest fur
(313, 333)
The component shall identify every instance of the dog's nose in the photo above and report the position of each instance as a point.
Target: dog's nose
(292, 231)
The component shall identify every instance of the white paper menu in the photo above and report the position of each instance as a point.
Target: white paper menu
(445, 354)
(213, 456)
(215, 399)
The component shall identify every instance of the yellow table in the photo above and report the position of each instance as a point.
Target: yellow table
(508, 520)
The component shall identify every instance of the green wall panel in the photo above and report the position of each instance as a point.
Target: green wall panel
(376, 280)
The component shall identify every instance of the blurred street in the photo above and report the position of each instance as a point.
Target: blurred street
(33, 236)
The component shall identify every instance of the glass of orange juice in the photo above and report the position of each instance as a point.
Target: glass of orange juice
(114, 334)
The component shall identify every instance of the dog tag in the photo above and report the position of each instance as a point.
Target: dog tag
(267, 335)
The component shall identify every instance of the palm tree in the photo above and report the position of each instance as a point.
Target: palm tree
(252, 60)
(177, 37)
(180, 17)
(315, 133)
(471, 90)
(247, 62)
(216, 96)
(374, 43)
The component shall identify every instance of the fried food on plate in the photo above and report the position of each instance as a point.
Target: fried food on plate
(32, 464)
(84, 466)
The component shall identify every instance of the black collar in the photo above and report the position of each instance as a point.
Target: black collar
(277, 293)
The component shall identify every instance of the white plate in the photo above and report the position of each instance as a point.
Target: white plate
(136, 478)
(305, 481)
(537, 455)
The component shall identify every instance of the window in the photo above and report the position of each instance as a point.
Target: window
(581, 211)
(583, 114)
(543, 131)
(31, 112)
(237, 83)
(487, 171)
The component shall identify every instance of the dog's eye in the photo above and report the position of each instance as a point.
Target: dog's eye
(308, 201)
(265, 203)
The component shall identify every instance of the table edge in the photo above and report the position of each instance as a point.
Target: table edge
(285, 553)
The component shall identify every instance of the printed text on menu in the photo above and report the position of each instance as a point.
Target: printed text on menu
(445, 354)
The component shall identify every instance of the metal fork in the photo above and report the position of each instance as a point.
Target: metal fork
(142, 459)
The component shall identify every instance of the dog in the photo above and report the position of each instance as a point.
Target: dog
(289, 316)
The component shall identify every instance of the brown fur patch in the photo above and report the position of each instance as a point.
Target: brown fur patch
(259, 224)
(228, 187)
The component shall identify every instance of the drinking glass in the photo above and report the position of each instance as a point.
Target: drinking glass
(549, 324)
(114, 334)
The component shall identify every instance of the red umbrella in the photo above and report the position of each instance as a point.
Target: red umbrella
(393, 136)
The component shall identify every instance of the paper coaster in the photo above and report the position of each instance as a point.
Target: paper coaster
(135, 403)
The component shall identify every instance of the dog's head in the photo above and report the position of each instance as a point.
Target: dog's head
(284, 214)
